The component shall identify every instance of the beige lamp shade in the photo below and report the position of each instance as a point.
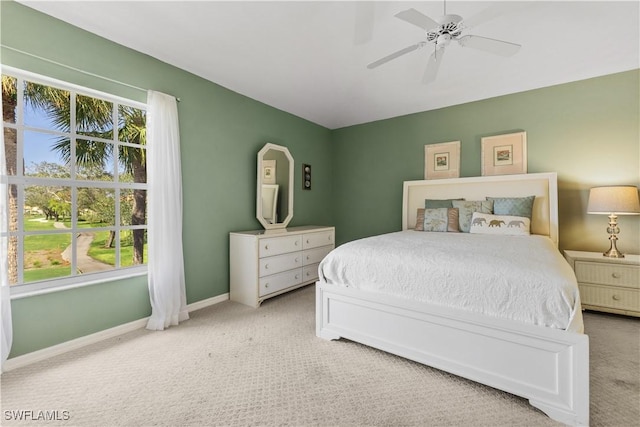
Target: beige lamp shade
(619, 200)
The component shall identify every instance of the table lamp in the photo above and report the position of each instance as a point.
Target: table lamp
(614, 201)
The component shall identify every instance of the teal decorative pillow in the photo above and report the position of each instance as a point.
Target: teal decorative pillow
(438, 203)
(467, 208)
(439, 219)
(500, 224)
(514, 206)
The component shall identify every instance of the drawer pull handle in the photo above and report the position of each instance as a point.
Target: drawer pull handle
(266, 285)
(296, 243)
(297, 260)
(266, 247)
(615, 275)
(266, 266)
(616, 298)
(307, 241)
(308, 257)
(297, 277)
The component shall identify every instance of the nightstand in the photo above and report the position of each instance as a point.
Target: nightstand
(607, 284)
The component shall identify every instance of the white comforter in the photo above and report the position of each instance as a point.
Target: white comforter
(522, 278)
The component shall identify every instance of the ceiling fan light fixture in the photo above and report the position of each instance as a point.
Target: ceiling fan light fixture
(450, 25)
(443, 40)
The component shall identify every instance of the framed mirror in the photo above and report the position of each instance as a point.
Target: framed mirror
(274, 200)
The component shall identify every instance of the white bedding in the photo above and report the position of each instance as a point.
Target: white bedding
(522, 278)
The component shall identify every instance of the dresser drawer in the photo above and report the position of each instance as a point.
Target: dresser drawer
(279, 245)
(279, 263)
(310, 272)
(608, 274)
(619, 298)
(314, 256)
(314, 240)
(280, 281)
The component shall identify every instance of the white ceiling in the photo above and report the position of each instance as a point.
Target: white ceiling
(302, 57)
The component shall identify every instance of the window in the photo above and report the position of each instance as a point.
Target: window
(76, 169)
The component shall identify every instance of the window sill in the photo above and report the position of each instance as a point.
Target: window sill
(47, 287)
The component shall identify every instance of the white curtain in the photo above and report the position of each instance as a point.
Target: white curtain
(5, 299)
(164, 236)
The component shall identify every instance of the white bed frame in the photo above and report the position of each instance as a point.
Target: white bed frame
(550, 367)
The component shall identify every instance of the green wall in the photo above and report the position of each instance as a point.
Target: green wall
(221, 133)
(586, 131)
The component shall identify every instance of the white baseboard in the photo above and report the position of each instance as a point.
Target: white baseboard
(198, 305)
(45, 353)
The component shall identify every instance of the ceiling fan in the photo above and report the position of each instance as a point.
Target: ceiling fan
(440, 34)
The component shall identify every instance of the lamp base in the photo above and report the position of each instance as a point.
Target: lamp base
(613, 231)
(613, 253)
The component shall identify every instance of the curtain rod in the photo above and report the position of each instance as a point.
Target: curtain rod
(88, 73)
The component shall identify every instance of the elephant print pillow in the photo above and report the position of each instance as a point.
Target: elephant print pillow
(482, 223)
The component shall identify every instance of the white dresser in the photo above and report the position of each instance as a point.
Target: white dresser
(264, 264)
(607, 284)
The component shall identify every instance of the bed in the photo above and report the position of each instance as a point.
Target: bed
(542, 361)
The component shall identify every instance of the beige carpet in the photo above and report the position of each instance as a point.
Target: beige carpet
(233, 365)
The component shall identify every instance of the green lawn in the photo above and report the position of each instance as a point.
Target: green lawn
(35, 274)
(48, 241)
(37, 224)
(43, 252)
(42, 242)
(108, 255)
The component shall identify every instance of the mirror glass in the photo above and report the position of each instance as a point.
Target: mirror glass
(274, 201)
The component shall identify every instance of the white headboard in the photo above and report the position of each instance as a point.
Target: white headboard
(543, 185)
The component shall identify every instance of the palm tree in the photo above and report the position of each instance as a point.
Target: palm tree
(94, 118)
(9, 103)
(132, 128)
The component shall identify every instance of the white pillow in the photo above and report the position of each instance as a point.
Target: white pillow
(482, 223)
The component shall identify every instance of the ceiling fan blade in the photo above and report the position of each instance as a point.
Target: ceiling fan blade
(498, 47)
(395, 55)
(365, 14)
(433, 65)
(414, 17)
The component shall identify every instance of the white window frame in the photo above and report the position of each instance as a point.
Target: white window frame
(75, 280)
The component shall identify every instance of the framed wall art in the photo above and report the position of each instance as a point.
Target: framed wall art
(504, 154)
(442, 160)
(268, 171)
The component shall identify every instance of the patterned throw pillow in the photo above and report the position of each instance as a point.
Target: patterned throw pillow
(420, 220)
(500, 224)
(440, 219)
(467, 208)
(515, 206)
